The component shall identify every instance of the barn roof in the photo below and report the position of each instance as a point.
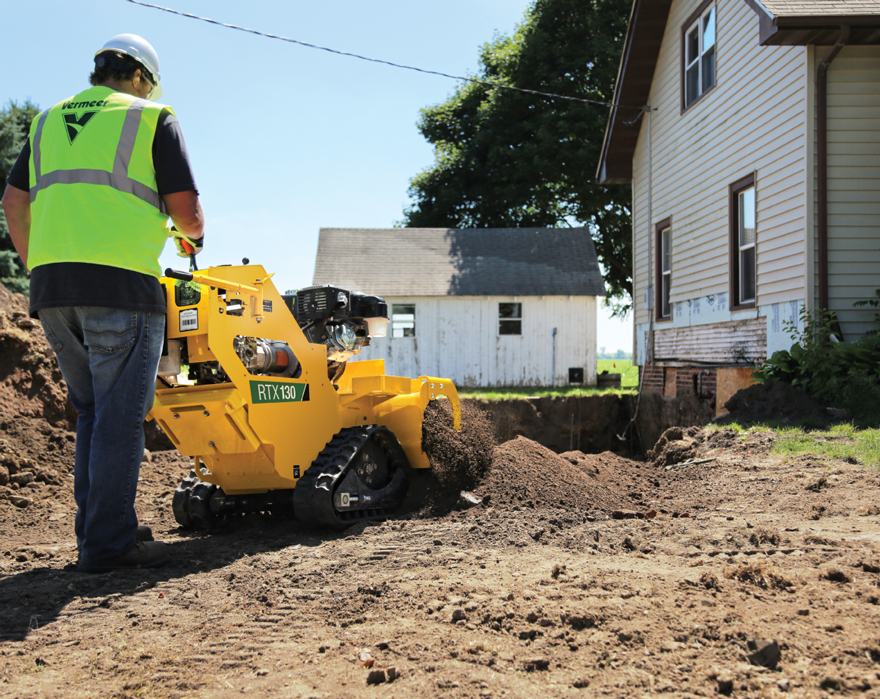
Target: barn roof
(459, 262)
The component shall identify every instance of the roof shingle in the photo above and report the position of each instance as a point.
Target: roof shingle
(457, 262)
(819, 8)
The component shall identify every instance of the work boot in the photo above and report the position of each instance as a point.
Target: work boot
(145, 554)
(142, 533)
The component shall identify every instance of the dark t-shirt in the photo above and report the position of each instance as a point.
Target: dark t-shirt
(84, 284)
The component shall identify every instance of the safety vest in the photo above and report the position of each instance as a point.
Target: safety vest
(93, 185)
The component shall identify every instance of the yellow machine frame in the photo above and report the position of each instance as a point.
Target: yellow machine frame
(259, 432)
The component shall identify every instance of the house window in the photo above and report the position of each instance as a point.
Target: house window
(743, 241)
(664, 269)
(403, 320)
(699, 53)
(510, 319)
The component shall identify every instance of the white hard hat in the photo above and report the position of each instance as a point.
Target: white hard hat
(140, 50)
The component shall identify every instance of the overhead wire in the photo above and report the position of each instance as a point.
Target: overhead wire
(478, 81)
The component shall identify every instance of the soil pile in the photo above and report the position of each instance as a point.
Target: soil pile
(635, 479)
(36, 444)
(525, 474)
(30, 381)
(676, 445)
(683, 446)
(773, 402)
(520, 473)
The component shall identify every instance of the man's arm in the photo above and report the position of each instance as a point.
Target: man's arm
(17, 206)
(186, 213)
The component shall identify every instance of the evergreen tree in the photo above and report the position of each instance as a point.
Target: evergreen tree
(15, 122)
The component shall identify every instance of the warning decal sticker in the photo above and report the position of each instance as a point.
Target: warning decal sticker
(189, 320)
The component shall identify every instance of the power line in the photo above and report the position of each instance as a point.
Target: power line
(488, 83)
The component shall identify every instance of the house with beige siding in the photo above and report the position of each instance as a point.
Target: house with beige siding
(485, 307)
(750, 133)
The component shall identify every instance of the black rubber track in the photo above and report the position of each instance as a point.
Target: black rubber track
(313, 495)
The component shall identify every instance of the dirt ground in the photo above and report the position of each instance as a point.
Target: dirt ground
(715, 567)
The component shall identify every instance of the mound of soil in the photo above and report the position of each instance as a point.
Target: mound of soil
(519, 473)
(634, 479)
(774, 402)
(525, 474)
(30, 381)
(36, 448)
(683, 446)
(676, 445)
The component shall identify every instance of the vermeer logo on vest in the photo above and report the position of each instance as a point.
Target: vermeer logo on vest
(277, 392)
(76, 125)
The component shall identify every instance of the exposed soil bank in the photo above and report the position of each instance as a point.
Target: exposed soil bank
(594, 424)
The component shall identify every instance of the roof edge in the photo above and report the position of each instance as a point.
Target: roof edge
(766, 21)
(601, 175)
(775, 30)
(639, 58)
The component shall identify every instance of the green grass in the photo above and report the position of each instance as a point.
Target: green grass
(845, 442)
(508, 392)
(630, 373)
(629, 383)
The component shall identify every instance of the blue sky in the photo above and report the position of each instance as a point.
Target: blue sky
(284, 139)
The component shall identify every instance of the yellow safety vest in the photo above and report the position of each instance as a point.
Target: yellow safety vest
(93, 185)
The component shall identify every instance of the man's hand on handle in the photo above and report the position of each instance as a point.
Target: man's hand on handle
(189, 223)
(186, 246)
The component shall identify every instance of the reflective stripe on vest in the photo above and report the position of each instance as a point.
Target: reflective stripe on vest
(118, 179)
(93, 185)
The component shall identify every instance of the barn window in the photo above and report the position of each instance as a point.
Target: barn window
(698, 54)
(403, 320)
(510, 319)
(743, 242)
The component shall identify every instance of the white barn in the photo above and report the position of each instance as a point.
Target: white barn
(487, 307)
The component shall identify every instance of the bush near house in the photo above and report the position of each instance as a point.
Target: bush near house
(841, 374)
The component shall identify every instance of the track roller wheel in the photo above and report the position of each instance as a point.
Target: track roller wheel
(180, 501)
(192, 504)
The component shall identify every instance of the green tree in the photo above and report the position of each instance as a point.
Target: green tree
(504, 158)
(15, 121)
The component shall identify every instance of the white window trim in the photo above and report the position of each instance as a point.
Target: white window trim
(501, 320)
(662, 276)
(743, 248)
(736, 190)
(397, 322)
(666, 272)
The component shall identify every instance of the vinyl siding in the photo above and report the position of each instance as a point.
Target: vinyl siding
(753, 121)
(456, 337)
(853, 185)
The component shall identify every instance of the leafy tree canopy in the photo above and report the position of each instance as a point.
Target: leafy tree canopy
(511, 159)
(15, 122)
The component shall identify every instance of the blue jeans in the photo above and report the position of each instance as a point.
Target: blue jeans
(109, 358)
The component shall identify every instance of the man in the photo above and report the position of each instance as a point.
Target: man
(87, 203)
